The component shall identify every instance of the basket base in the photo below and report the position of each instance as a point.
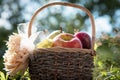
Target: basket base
(52, 64)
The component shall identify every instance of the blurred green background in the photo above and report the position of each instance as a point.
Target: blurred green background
(107, 20)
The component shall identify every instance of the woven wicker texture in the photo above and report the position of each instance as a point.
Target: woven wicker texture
(61, 64)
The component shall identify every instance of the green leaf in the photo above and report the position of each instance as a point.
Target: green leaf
(2, 76)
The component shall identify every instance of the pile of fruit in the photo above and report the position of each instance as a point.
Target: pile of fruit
(68, 40)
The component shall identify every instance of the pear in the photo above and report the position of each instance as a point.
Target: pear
(54, 34)
(46, 43)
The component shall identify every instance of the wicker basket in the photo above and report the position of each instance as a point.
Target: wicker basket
(59, 63)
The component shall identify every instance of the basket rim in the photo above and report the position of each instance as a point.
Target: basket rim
(62, 49)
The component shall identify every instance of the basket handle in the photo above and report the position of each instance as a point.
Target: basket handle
(65, 4)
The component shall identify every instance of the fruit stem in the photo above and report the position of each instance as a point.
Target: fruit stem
(61, 29)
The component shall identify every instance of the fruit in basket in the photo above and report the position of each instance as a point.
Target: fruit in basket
(53, 34)
(67, 40)
(84, 38)
(46, 43)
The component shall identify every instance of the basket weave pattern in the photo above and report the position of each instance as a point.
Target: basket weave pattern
(61, 64)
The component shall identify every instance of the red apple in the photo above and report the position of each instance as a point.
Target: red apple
(85, 39)
(67, 40)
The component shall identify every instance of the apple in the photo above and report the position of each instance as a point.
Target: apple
(84, 38)
(67, 40)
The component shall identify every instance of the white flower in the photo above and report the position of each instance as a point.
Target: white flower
(15, 58)
(19, 49)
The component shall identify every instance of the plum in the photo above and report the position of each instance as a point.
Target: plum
(85, 39)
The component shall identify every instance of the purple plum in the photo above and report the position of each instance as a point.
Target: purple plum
(85, 39)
